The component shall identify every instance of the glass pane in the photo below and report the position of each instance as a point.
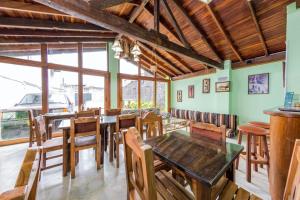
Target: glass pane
(93, 91)
(162, 96)
(20, 87)
(95, 58)
(130, 94)
(146, 73)
(147, 94)
(34, 53)
(127, 67)
(67, 57)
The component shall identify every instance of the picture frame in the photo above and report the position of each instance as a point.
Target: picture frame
(259, 83)
(222, 86)
(191, 91)
(179, 95)
(206, 85)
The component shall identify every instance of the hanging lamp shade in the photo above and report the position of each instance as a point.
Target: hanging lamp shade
(206, 1)
(136, 58)
(117, 47)
(136, 50)
(117, 55)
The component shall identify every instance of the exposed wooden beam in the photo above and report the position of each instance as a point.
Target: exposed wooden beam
(175, 24)
(194, 74)
(11, 22)
(148, 66)
(298, 3)
(51, 33)
(11, 5)
(225, 34)
(257, 26)
(82, 10)
(196, 27)
(161, 58)
(183, 64)
(156, 14)
(32, 40)
(137, 11)
(280, 56)
(149, 60)
(102, 4)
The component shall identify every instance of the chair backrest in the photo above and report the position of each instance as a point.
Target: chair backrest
(86, 113)
(31, 119)
(125, 121)
(83, 127)
(153, 124)
(292, 188)
(138, 166)
(112, 112)
(208, 130)
(97, 111)
(40, 129)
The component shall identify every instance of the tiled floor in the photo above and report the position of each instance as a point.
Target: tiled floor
(108, 183)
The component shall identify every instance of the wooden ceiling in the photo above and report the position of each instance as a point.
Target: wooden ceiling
(238, 30)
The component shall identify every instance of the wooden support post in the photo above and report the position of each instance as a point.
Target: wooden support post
(169, 96)
(156, 15)
(155, 89)
(80, 81)
(45, 89)
(139, 88)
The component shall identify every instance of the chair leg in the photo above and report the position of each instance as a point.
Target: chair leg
(261, 150)
(117, 152)
(254, 143)
(77, 157)
(240, 136)
(98, 155)
(266, 150)
(72, 160)
(248, 160)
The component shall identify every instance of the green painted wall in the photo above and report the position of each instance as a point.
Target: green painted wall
(293, 47)
(250, 107)
(113, 67)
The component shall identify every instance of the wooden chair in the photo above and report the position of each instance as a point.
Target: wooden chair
(86, 113)
(112, 112)
(123, 122)
(208, 130)
(26, 185)
(141, 179)
(84, 134)
(153, 124)
(49, 145)
(97, 111)
(32, 137)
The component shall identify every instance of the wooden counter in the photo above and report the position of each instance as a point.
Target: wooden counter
(284, 130)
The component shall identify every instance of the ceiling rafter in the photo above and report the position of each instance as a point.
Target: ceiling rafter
(81, 9)
(102, 4)
(143, 62)
(225, 34)
(149, 60)
(175, 24)
(34, 40)
(156, 15)
(257, 26)
(197, 28)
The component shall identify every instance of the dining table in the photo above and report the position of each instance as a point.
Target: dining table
(105, 122)
(203, 161)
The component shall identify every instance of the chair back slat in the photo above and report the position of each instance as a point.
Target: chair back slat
(153, 124)
(83, 127)
(292, 188)
(40, 130)
(125, 121)
(86, 113)
(208, 130)
(139, 166)
(112, 112)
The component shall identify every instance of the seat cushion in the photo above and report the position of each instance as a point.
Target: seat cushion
(85, 141)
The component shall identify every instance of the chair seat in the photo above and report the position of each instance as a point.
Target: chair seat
(85, 141)
(169, 189)
(260, 124)
(51, 145)
(250, 129)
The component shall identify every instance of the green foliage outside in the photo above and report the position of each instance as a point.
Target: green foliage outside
(134, 105)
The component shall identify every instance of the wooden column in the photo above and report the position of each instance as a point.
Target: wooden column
(139, 87)
(155, 90)
(169, 96)
(80, 82)
(45, 89)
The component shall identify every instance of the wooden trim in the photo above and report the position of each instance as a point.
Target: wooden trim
(45, 89)
(82, 10)
(280, 56)
(169, 96)
(136, 77)
(32, 40)
(257, 26)
(80, 81)
(194, 74)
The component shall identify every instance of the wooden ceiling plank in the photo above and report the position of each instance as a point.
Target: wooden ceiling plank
(156, 14)
(225, 34)
(10, 22)
(198, 30)
(175, 57)
(194, 74)
(33, 40)
(175, 24)
(82, 10)
(148, 66)
(280, 56)
(149, 60)
(257, 26)
(103, 4)
(51, 33)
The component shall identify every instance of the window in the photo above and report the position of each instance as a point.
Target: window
(162, 96)
(33, 54)
(22, 88)
(95, 58)
(146, 73)
(93, 91)
(129, 94)
(147, 94)
(67, 57)
(127, 67)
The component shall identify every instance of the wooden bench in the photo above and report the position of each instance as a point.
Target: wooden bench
(28, 178)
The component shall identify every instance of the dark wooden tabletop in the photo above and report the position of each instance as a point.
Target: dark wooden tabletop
(200, 158)
(105, 120)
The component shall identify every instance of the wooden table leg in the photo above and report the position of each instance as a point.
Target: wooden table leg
(111, 133)
(230, 173)
(65, 152)
(201, 192)
(248, 158)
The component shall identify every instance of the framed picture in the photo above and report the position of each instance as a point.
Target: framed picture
(179, 95)
(258, 84)
(223, 86)
(191, 91)
(206, 86)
